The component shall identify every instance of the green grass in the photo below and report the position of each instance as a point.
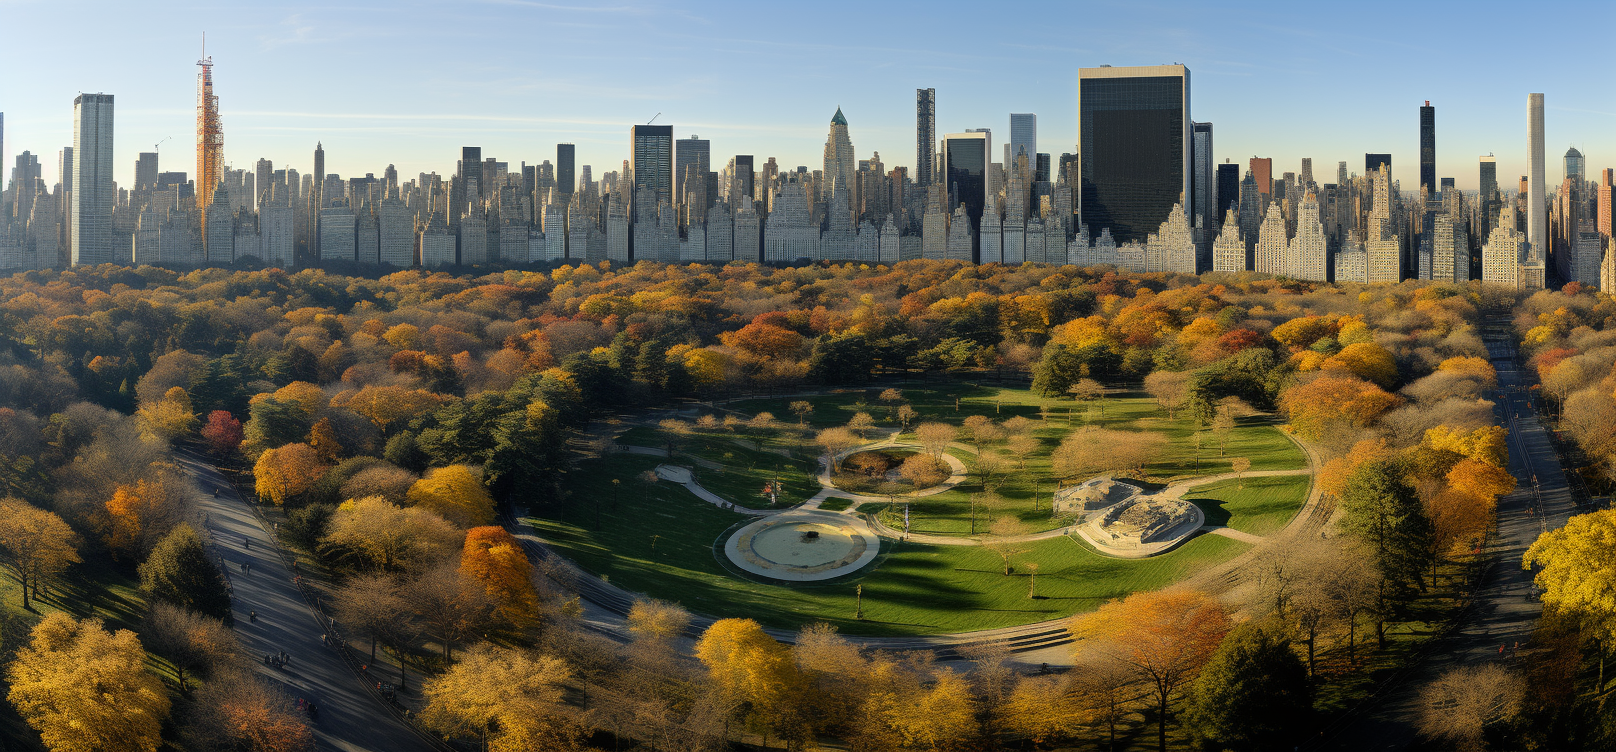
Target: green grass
(835, 504)
(1259, 506)
(913, 589)
(745, 470)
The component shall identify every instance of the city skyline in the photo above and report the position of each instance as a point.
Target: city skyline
(262, 55)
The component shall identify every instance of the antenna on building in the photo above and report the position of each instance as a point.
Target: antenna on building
(653, 118)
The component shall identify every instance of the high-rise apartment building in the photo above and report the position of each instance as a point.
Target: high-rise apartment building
(1428, 147)
(1134, 147)
(1536, 200)
(1203, 210)
(566, 177)
(965, 168)
(743, 188)
(925, 137)
(209, 138)
(1023, 138)
(652, 150)
(841, 166)
(94, 193)
(1262, 173)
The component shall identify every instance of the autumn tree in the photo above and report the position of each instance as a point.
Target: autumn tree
(370, 604)
(1573, 573)
(923, 471)
(1333, 400)
(1253, 694)
(1046, 710)
(190, 642)
(240, 711)
(85, 689)
(37, 545)
(748, 665)
(835, 441)
(906, 415)
(283, 473)
(510, 698)
(1170, 388)
(1164, 637)
(376, 533)
(386, 406)
(179, 571)
(455, 493)
(452, 606)
(1002, 540)
(1463, 704)
(222, 432)
(861, 424)
(935, 437)
(802, 409)
(323, 440)
(171, 417)
(495, 558)
(1022, 446)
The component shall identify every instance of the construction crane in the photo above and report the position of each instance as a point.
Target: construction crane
(159, 144)
(653, 118)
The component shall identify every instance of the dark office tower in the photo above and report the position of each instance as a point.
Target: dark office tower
(1372, 162)
(694, 152)
(965, 168)
(1203, 196)
(319, 172)
(566, 178)
(469, 177)
(925, 136)
(652, 148)
(1487, 197)
(263, 174)
(1428, 147)
(743, 178)
(1134, 140)
(1228, 191)
(1262, 171)
(146, 171)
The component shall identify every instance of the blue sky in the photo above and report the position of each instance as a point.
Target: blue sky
(408, 83)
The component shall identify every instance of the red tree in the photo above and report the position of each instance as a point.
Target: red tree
(222, 432)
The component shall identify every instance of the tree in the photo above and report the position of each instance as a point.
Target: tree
(511, 698)
(1331, 400)
(835, 441)
(283, 473)
(1163, 637)
(935, 717)
(1385, 512)
(37, 544)
(1574, 565)
(385, 406)
(452, 606)
(1466, 702)
(752, 668)
(370, 605)
(935, 437)
(388, 537)
(1022, 446)
(1170, 388)
(861, 424)
(87, 690)
(323, 439)
(1253, 694)
(1087, 451)
(1086, 390)
(1240, 466)
(657, 621)
(170, 418)
(923, 471)
(1223, 425)
(455, 493)
(222, 432)
(1002, 535)
(239, 711)
(802, 409)
(1366, 360)
(495, 558)
(906, 415)
(180, 572)
(192, 643)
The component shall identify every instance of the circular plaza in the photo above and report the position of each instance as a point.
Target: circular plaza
(803, 546)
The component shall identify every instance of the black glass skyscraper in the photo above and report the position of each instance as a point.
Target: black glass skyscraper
(966, 170)
(652, 150)
(1228, 190)
(1372, 162)
(1133, 140)
(1428, 147)
(925, 136)
(566, 166)
(743, 174)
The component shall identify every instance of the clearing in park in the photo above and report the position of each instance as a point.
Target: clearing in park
(949, 574)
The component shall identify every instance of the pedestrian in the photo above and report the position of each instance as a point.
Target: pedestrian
(245, 541)
(266, 659)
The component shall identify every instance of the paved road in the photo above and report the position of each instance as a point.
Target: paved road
(350, 718)
(1502, 614)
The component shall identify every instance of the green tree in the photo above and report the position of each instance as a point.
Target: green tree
(179, 571)
(273, 424)
(1253, 695)
(1386, 514)
(841, 359)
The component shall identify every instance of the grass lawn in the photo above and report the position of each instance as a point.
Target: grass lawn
(1259, 506)
(745, 470)
(914, 589)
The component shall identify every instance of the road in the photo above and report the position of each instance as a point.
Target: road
(1503, 614)
(350, 719)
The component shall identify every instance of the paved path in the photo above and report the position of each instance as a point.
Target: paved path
(351, 719)
(682, 476)
(1502, 613)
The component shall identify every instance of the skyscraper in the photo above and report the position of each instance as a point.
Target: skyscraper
(146, 171)
(566, 178)
(743, 177)
(316, 199)
(1575, 166)
(925, 136)
(1023, 137)
(1228, 190)
(1372, 162)
(966, 170)
(94, 194)
(1536, 229)
(1202, 208)
(1487, 197)
(694, 152)
(1134, 143)
(652, 150)
(1428, 147)
(841, 166)
(209, 138)
(1262, 172)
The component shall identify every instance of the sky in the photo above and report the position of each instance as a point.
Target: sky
(409, 83)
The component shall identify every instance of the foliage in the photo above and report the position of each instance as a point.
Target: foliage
(284, 473)
(87, 690)
(179, 571)
(37, 544)
(455, 493)
(1253, 693)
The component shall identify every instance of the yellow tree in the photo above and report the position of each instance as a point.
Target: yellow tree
(36, 543)
(385, 536)
(386, 405)
(171, 418)
(323, 439)
(1334, 399)
(494, 558)
(1163, 637)
(1484, 444)
(455, 493)
(750, 667)
(123, 513)
(510, 698)
(87, 690)
(1366, 360)
(1574, 565)
(283, 473)
(936, 717)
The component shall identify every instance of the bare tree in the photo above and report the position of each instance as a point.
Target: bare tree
(1002, 539)
(935, 437)
(367, 604)
(452, 606)
(239, 711)
(835, 441)
(1170, 388)
(190, 642)
(1022, 446)
(1464, 702)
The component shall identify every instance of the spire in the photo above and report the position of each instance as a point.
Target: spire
(838, 119)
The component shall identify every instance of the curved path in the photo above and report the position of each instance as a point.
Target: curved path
(351, 718)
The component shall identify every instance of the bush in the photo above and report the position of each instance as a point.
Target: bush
(306, 526)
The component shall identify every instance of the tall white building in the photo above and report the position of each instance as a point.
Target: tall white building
(396, 228)
(1501, 254)
(1271, 242)
(1383, 249)
(94, 193)
(1309, 253)
(1229, 250)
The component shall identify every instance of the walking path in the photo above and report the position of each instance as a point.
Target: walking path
(351, 718)
(1504, 610)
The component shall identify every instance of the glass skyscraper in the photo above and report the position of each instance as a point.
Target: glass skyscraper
(1134, 143)
(966, 169)
(925, 136)
(652, 147)
(1428, 147)
(94, 193)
